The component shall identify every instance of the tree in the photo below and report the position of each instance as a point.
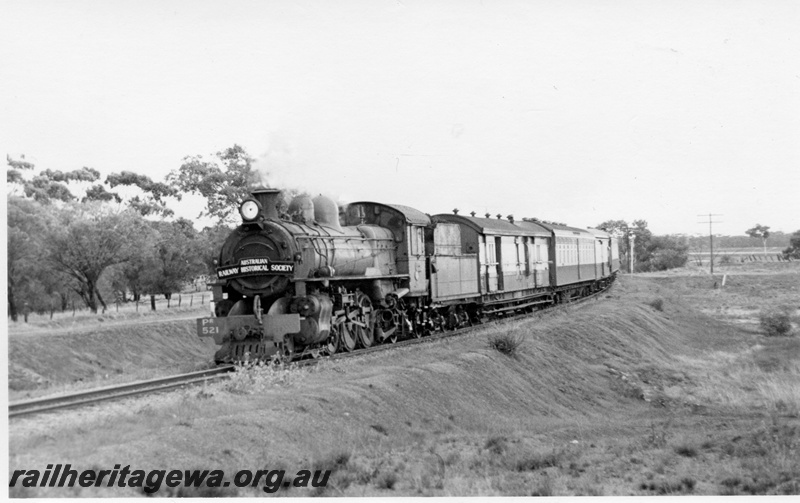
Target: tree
(24, 224)
(638, 230)
(761, 232)
(209, 242)
(171, 259)
(664, 252)
(223, 181)
(651, 253)
(153, 201)
(16, 167)
(793, 251)
(87, 239)
(99, 193)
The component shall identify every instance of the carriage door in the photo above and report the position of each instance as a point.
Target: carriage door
(542, 264)
(490, 265)
(529, 270)
(498, 247)
(416, 260)
(600, 259)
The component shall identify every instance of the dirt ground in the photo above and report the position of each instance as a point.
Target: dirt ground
(659, 387)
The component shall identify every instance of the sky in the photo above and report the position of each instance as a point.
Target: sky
(573, 111)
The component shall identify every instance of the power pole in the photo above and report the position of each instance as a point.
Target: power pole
(711, 236)
(631, 254)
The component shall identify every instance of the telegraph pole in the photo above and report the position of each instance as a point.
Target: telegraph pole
(711, 236)
(632, 253)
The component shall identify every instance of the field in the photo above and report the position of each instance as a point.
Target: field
(667, 385)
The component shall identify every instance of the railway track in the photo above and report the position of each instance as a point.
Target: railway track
(106, 393)
(38, 405)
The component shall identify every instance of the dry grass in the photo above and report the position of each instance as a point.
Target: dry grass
(196, 304)
(613, 398)
(254, 377)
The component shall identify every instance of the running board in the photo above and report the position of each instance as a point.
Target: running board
(518, 306)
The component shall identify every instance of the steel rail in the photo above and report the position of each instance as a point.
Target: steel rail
(149, 386)
(95, 395)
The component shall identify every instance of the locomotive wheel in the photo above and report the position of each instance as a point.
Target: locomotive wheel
(365, 334)
(333, 342)
(416, 330)
(347, 339)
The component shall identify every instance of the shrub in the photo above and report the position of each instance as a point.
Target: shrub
(538, 461)
(686, 451)
(657, 304)
(496, 445)
(506, 343)
(776, 321)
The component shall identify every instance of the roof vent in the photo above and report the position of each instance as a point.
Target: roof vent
(488, 215)
(499, 216)
(510, 218)
(472, 213)
(455, 211)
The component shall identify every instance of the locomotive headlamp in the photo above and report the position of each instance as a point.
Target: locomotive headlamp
(250, 209)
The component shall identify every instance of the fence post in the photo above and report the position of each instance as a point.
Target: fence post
(179, 300)
(191, 300)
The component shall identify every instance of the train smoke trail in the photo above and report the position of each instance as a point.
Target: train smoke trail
(291, 166)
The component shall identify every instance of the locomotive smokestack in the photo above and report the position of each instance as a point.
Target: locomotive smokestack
(270, 200)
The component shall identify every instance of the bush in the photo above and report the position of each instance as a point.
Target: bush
(668, 259)
(776, 321)
(657, 304)
(506, 343)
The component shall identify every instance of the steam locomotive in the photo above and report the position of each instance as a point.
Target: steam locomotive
(318, 279)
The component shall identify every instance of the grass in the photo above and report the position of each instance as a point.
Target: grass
(251, 377)
(716, 411)
(193, 303)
